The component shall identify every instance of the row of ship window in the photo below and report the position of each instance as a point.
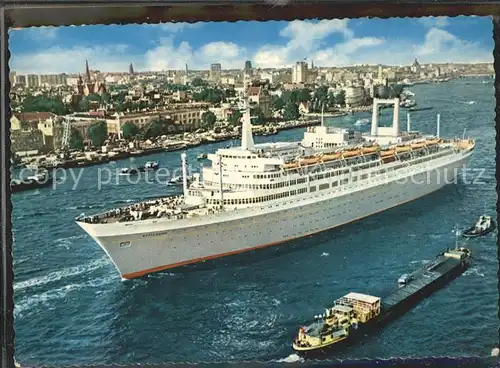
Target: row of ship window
(312, 178)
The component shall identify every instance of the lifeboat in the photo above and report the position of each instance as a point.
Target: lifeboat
(387, 153)
(309, 161)
(353, 153)
(331, 157)
(417, 145)
(290, 165)
(402, 149)
(432, 142)
(370, 149)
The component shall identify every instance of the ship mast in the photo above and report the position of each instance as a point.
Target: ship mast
(322, 114)
(221, 187)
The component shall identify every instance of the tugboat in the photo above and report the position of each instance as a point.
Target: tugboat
(483, 226)
(355, 314)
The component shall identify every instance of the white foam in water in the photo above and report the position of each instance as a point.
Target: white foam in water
(473, 271)
(292, 358)
(59, 293)
(324, 254)
(59, 275)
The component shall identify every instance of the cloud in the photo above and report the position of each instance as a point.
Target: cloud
(39, 34)
(442, 46)
(178, 26)
(345, 53)
(299, 39)
(430, 22)
(305, 38)
(70, 60)
(169, 56)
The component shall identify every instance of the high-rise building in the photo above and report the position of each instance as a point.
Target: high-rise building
(215, 72)
(299, 72)
(248, 67)
(32, 80)
(53, 79)
(21, 80)
(131, 68)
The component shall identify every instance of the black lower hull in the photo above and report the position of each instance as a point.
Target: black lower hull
(29, 185)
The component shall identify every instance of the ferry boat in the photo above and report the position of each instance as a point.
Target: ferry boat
(259, 195)
(356, 314)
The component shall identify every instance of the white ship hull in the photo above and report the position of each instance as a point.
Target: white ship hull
(139, 248)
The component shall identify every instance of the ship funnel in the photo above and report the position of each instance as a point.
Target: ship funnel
(184, 173)
(438, 123)
(375, 117)
(395, 119)
(246, 128)
(246, 132)
(408, 123)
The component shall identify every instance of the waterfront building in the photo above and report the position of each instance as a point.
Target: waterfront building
(259, 97)
(32, 132)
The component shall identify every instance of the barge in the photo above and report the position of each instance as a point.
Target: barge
(355, 314)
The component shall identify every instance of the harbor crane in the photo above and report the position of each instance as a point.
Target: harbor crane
(65, 138)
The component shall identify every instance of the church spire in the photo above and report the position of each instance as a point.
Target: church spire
(87, 70)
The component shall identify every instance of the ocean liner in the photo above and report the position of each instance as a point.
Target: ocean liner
(258, 195)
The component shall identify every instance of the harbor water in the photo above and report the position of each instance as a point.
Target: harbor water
(71, 307)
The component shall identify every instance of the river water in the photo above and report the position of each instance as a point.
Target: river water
(73, 308)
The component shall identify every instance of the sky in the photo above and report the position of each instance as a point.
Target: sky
(394, 41)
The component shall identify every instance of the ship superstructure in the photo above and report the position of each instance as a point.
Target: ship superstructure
(258, 195)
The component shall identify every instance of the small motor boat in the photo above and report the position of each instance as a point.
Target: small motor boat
(483, 226)
(177, 180)
(202, 156)
(151, 165)
(130, 171)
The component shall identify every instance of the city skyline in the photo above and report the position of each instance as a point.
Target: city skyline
(328, 43)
